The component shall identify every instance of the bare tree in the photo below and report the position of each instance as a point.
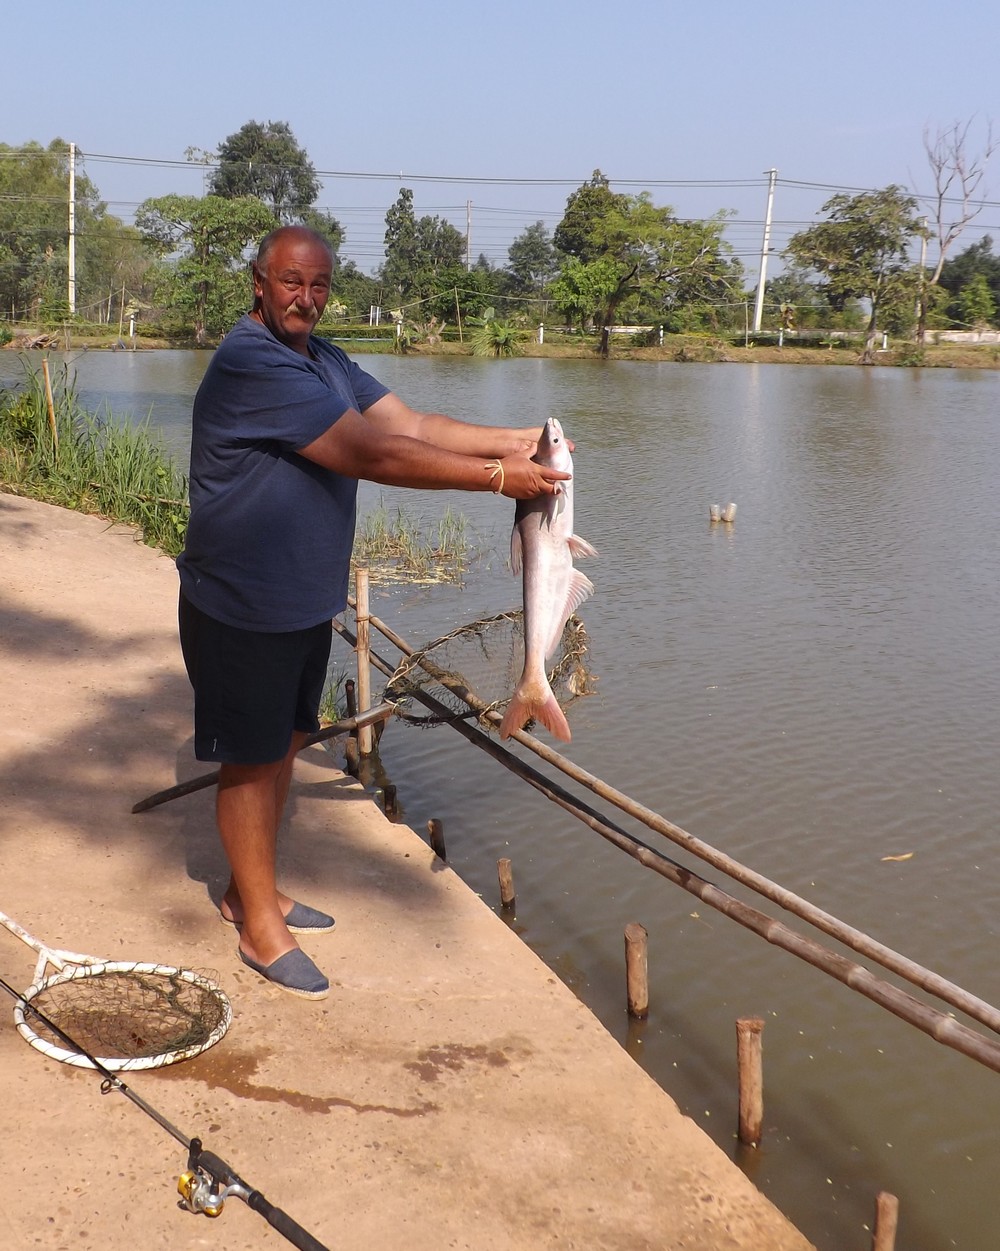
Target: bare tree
(958, 176)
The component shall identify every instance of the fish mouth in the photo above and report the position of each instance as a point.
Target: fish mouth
(552, 433)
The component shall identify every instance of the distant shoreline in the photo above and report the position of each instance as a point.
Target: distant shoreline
(693, 349)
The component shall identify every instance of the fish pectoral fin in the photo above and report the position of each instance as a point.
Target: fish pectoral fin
(516, 551)
(580, 547)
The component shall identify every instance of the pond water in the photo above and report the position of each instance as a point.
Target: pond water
(813, 690)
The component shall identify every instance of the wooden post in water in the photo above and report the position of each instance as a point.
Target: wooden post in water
(506, 876)
(389, 797)
(886, 1220)
(751, 1079)
(637, 970)
(364, 657)
(351, 755)
(435, 829)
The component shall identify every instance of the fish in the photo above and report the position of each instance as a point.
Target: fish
(542, 549)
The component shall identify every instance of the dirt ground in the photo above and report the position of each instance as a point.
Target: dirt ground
(450, 1092)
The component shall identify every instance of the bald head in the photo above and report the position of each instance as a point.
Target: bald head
(297, 234)
(291, 284)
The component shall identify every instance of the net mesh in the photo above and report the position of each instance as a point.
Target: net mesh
(479, 664)
(128, 1014)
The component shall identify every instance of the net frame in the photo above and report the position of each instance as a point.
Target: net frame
(72, 966)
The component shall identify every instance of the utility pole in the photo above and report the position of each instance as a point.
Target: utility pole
(922, 296)
(71, 263)
(758, 307)
(468, 236)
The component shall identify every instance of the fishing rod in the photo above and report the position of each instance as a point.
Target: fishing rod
(209, 1181)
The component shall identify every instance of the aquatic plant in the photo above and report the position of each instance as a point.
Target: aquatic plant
(396, 546)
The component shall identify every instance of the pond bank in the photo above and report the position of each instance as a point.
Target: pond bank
(700, 349)
(450, 1092)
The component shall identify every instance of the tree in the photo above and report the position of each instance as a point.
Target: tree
(34, 235)
(958, 175)
(862, 251)
(793, 290)
(210, 233)
(592, 211)
(263, 159)
(113, 263)
(975, 261)
(625, 252)
(532, 260)
(357, 291)
(585, 288)
(421, 255)
(976, 302)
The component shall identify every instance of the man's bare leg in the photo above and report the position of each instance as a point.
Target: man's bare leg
(249, 806)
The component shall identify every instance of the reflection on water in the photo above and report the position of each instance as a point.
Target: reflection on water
(811, 690)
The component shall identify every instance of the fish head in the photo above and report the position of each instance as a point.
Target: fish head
(553, 449)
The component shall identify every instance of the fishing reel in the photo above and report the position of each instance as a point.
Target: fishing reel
(208, 1182)
(200, 1194)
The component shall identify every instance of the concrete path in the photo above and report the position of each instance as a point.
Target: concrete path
(450, 1092)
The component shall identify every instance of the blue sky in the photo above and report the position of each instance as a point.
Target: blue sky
(837, 94)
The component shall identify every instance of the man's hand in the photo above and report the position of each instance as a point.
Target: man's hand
(521, 478)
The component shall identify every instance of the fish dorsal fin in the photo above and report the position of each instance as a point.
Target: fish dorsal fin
(580, 589)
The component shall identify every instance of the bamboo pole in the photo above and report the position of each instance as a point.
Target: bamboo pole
(348, 726)
(506, 876)
(943, 1027)
(751, 1079)
(858, 941)
(364, 663)
(435, 831)
(637, 971)
(886, 1221)
(49, 404)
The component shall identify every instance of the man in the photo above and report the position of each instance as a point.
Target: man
(284, 425)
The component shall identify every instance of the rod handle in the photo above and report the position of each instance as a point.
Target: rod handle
(284, 1224)
(254, 1200)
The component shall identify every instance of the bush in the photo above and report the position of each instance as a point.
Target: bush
(496, 338)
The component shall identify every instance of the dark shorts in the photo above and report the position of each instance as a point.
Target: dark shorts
(251, 689)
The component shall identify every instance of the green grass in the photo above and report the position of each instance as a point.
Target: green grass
(93, 463)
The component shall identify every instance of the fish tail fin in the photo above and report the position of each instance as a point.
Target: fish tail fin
(535, 702)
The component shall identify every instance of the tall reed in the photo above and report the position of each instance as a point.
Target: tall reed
(91, 462)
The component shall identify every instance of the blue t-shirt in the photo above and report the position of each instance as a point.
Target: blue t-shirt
(270, 536)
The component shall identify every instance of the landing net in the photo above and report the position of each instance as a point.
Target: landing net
(130, 1016)
(484, 659)
(124, 1014)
